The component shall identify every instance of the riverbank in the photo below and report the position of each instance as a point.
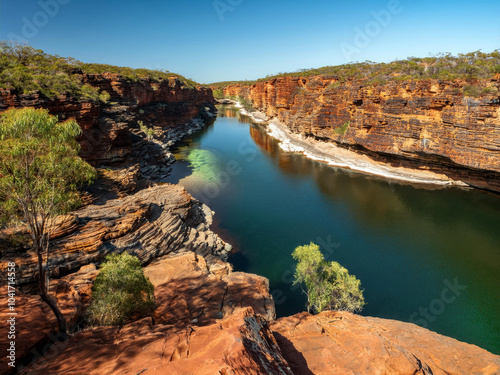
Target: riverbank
(340, 157)
(425, 125)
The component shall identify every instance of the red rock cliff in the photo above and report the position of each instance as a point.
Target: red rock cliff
(106, 128)
(428, 124)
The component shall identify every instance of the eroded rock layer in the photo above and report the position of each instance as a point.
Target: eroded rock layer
(107, 136)
(427, 124)
(149, 224)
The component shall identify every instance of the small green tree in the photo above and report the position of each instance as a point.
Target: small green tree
(328, 285)
(40, 172)
(120, 291)
(148, 131)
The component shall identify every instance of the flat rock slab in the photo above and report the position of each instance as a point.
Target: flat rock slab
(344, 343)
(240, 344)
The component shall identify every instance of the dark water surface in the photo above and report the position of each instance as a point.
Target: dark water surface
(428, 256)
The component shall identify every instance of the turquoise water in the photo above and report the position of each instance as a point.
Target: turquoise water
(429, 256)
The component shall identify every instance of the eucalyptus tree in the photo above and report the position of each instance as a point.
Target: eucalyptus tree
(327, 285)
(40, 173)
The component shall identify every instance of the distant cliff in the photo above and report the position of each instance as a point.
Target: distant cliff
(447, 126)
(107, 127)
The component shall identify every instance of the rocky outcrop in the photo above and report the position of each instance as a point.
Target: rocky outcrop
(32, 324)
(427, 124)
(189, 291)
(239, 344)
(149, 224)
(243, 342)
(344, 343)
(107, 135)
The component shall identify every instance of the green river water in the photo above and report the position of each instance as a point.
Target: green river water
(427, 256)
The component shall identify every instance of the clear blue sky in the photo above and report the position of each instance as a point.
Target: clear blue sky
(209, 40)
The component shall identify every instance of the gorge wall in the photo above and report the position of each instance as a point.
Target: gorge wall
(209, 319)
(426, 124)
(107, 128)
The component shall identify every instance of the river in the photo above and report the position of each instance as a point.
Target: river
(425, 255)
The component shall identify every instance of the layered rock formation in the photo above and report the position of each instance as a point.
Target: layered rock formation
(107, 135)
(149, 224)
(209, 319)
(427, 124)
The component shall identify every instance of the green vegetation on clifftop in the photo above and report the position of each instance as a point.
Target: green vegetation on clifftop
(29, 70)
(473, 65)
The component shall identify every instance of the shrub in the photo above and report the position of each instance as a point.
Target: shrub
(149, 132)
(472, 91)
(489, 90)
(247, 104)
(343, 129)
(476, 65)
(28, 70)
(219, 94)
(40, 173)
(120, 292)
(90, 92)
(333, 85)
(328, 285)
(104, 96)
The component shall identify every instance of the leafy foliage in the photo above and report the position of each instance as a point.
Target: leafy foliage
(148, 131)
(247, 104)
(218, 94)
(343, 129)
(40, 172)
(135, 74)
(328, 285)
(471, 91)
(120, 291)
(28, 70)
(473, 65)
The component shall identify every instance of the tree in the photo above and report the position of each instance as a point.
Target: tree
(328, 285)
(148, 131)
(120, 291)
(40, 172)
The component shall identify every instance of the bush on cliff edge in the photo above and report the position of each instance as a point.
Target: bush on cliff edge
(328, 285)
(120, 291)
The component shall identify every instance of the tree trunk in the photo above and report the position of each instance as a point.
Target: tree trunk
(61, 321)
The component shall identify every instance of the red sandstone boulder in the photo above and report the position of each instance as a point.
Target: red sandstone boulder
(187, 292)
(344, 343)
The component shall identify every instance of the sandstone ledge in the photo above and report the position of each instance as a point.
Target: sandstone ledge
(149, 224)
(344, 343)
